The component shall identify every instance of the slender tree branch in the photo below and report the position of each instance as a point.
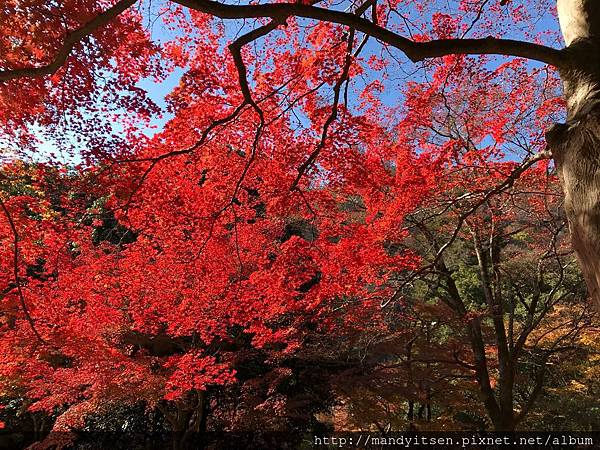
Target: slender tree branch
(236, 52)
(156, 159)
(71, 40)
(538, 386)
(15, 233)
(332, 116)
(507, 183)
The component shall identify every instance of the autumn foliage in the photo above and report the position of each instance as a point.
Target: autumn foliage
(294, 213)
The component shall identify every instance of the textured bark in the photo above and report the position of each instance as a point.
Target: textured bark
(576, 144)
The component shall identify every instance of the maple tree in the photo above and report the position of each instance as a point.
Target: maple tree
(512, 261)
(272, 215)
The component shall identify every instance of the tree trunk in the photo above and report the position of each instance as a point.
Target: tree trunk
(187, 418)
(576, 145)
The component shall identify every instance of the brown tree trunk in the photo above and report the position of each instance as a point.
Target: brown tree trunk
(576, 144)
(187, 418)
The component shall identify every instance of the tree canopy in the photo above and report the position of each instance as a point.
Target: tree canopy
(205, 202)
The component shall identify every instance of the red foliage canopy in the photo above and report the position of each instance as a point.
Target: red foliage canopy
(272, 203)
